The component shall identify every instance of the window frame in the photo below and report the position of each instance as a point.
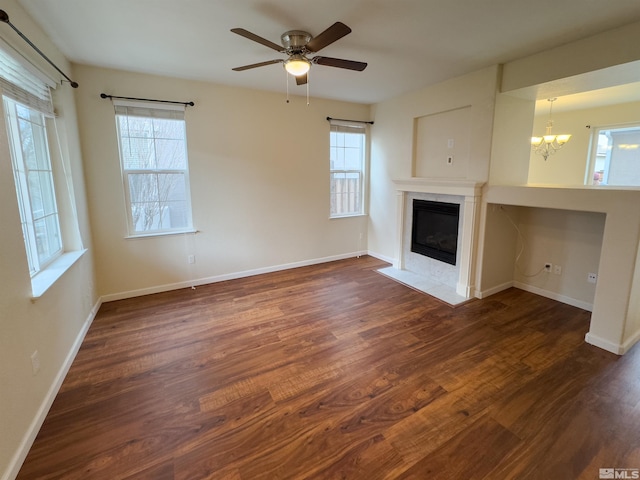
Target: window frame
(593, 153)
(336, 126)
(24, 191)
(128, 173)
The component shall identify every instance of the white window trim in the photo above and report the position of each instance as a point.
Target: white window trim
(163, 234)
(131, 232)
(364, 173)
(593, 148)
(24, 194)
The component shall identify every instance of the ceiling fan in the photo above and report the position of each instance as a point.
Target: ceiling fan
(296, 44)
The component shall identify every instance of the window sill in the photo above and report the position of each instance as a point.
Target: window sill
(161, 234)
(47, 277)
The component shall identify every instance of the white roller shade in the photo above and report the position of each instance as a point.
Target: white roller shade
(20, 82)
(345, 126)
(132, 108)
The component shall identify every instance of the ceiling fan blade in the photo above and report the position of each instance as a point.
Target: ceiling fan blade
(256, 38)
(330, 35)
(340, 63)
(302, 79)
(256, 65)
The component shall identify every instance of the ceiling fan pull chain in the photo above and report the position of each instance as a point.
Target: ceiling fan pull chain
(308, 78)
(286, 74)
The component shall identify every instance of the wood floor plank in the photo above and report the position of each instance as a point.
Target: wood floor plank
(484, 444)
(335, 371)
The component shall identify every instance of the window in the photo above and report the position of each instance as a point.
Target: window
(615, 156)
(37, 162)
(153, 156)
(34, 184)
(347, 160)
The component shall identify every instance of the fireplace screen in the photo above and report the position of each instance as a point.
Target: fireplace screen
(434, 230)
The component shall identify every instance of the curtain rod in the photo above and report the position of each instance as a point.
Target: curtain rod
(191, 104)
(344, 120)
(4, 17)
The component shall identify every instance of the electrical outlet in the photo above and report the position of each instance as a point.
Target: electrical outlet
(557, 270)
(449, 159)
(592, 277)
(547, 267)
(191, 259)
(35, 362)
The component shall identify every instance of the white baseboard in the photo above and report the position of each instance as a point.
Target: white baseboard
(25, 445)
(538, 291)
(493, 290)
(631, 341)
(229, 276)
(554, 296)
(607, 345)
(379, 256)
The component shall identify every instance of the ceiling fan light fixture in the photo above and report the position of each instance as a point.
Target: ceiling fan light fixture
(297, 65)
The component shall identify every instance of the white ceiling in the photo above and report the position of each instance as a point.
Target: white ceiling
(629, 92)
(407, 43)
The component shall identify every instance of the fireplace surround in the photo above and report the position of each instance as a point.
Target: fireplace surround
(455, 282)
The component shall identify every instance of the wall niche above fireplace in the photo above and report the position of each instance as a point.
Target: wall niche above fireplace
(434, 231)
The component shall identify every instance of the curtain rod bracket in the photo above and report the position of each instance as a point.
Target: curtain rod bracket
(4, 17)
(186, 104)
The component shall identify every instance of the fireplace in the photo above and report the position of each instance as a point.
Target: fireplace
(434, 230)
(451, 282)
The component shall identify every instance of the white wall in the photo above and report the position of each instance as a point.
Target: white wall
(393, 142)
(569, 239)
(558, 67)
(499, 248)
(53, 323)
(437, 138)
(511, 144)
(259, 171)
(568, 165)
(632, 327)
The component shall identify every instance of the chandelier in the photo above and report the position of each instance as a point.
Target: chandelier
(549, 144)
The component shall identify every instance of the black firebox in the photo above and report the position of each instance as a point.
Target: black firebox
(434, 231)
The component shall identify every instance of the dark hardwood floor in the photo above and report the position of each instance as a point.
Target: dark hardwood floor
(335, 371)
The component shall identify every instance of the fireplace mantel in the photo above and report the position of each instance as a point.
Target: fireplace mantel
(465, 188)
